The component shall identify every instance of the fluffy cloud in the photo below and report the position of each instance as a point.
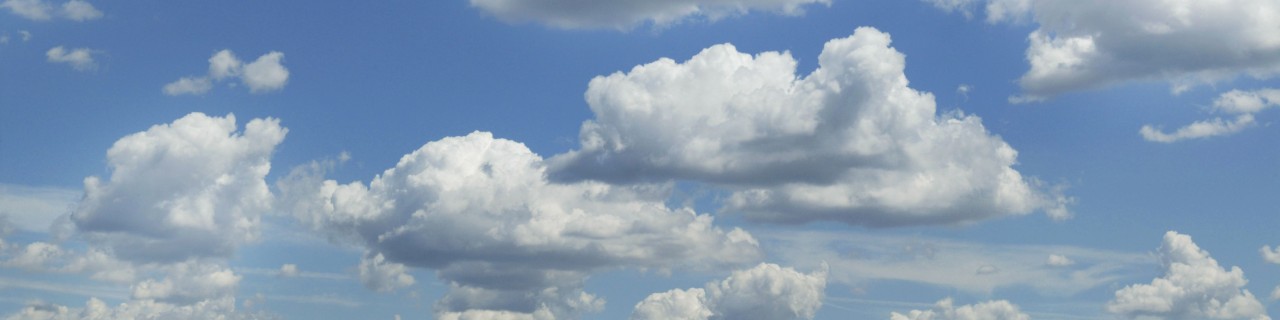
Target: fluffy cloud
(626, 14)
(288, 270)
(146, 212)
(1087, 44)
(1193, 287)
(1242, 104)
(188, 283)
(379, 275)
(77, 10)
(80, 59)
(1057, 260)
(264, 74)
(480, 211)
(946, 310)
(767, 291)
(858, 259)
(1270, 255)
(850, 142)
(95, 309)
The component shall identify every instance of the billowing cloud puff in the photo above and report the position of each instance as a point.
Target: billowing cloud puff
(80, 59)
(1270, 255)
(481, 212)
(379, 275)
(77, 10)
(188, 283)
(1242, 104)
(767, 291)
(850, 142)
(946, 310)
(1087, 44)
(190, 189)
(262, 75)
(1193, 287)
(626, 14)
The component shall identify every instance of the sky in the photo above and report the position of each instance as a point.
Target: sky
(626, 159)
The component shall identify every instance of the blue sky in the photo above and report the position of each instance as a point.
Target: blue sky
(503, 159)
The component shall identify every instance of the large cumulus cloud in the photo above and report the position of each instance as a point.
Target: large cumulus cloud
(1088, 44)
(626, 14)
(1194, 287)
(481, 212)
(850, 142)
(767, 291)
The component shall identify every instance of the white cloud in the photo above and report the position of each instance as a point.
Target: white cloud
(858, 260)
(1193, 287)
(80, 59)
(1275, 293)
(79, 10)
(1057, 260)
(26, 35)
(262, 75)
(188, 85)
(289, 270)
(627, 14)
(95, 309)
(1088, 44)
(945, 310)
(1243, 104)
(1270, 255)
(480, 211)
(41, 10)
(849, 142)
(265, 73)
(767, 291)
(147, 213)
(189, 282)
(35, 208)
(380, 275)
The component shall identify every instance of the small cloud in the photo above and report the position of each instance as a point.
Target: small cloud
(41, 10)
(80, 11)
(963, 90)
(262, 75)
(26, 35)
(1243, 104)
(1275, 293)
(289, 270)
(987, 269)
(80, 59)
(1270, 255)
(188, 85)
(1056, 260)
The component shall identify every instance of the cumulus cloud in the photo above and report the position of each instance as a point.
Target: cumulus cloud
(187, 283)
(1242, 104)
(767, 291)
(95, 309)
(1057, 260)
(857, 260)
(80, 59)
(1088, 44)
(1194, 287)
(1270, 255)
(850, 142)
(480, 211)
(379, 275)
(627, 14)
(42, 10)
(946, 310)
(288, 270)
(264, 74)
(145, 212)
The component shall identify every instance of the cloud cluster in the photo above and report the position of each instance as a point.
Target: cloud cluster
(1088, 44)
(264, 74)
(627, 14)
(80, 59)
(1242, 104)
(850, 142)
(41, 10)
(1194, 287)
(767, 291)
(946, 310)
(481, 212)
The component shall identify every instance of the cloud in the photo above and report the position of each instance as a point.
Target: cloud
(1088, 44)
(80, 59)
(480, 212)
(1242, 104)
(26, 35)
(188, 283)
(850, 142)
(35, 208)
(1193, 287)
(379, 275)
(945, 310)
(1270, 255)
(1056, 260)
(145, 212)
(264, 74)
(289, 270)
(41, 10)
(1275, 293)
(767, 291)
(627, 14)
(859, 260)
(96, 309)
